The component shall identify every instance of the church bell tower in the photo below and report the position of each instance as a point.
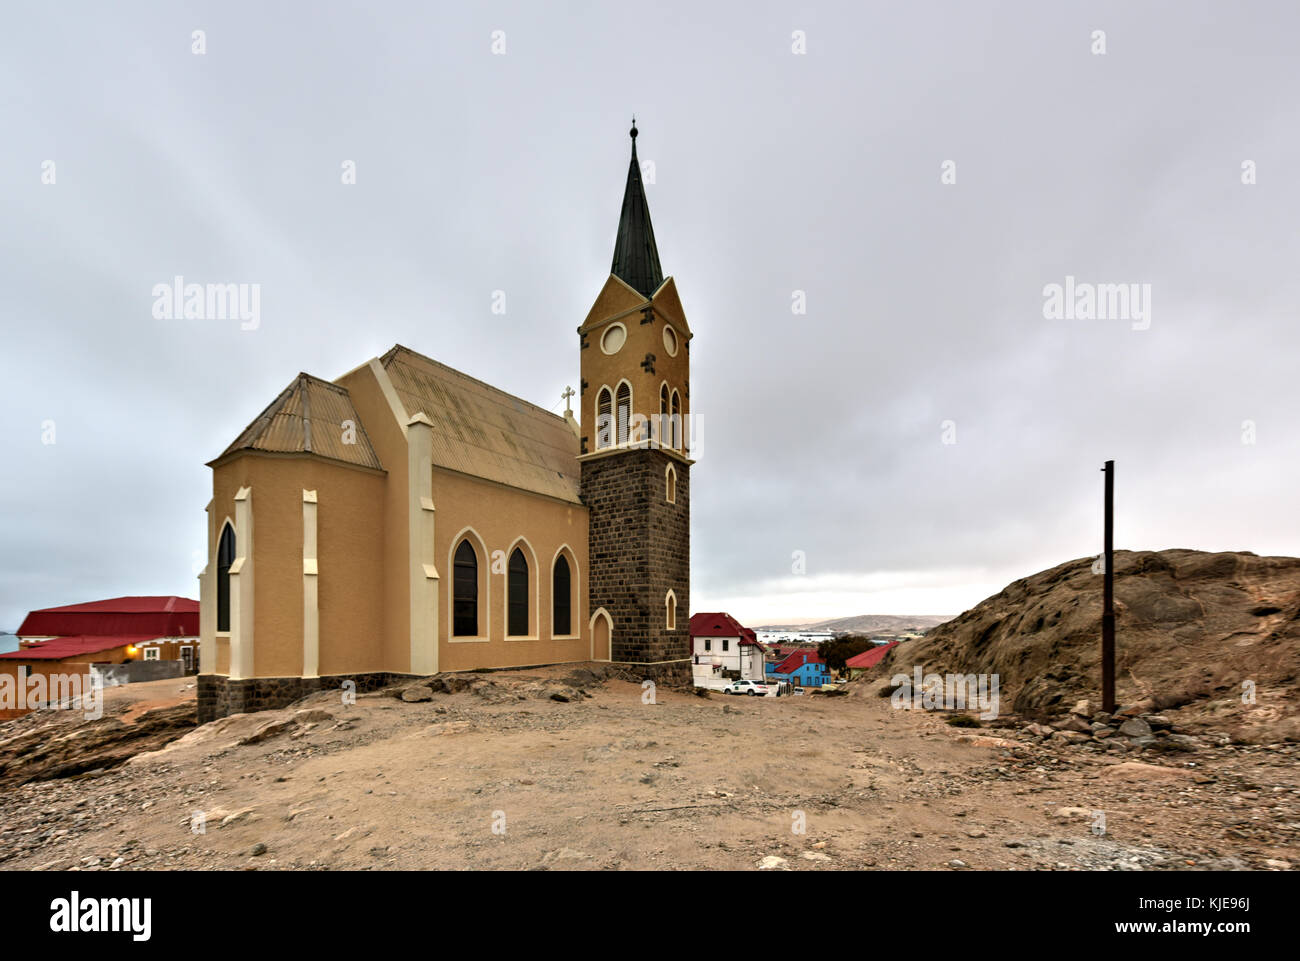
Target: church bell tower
(635, 451)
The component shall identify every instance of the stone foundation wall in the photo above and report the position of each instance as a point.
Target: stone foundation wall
(218, 696)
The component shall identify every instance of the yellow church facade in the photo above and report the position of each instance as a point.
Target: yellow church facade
(406, 519)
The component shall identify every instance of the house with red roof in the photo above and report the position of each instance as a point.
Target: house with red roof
(861, 663)
(801, 669)
(721, 647)
(79, 638)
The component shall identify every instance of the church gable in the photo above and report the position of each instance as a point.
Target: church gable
(667, 302)
(311, 416)
(616, 298)
(484, 432)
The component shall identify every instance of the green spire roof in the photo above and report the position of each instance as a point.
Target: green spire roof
(636, 259)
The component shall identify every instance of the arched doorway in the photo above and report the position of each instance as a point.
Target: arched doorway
(602, 629)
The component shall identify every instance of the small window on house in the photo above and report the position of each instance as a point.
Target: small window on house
(726, 644)
(561, 598)
(517, 595)
(708, 644)
(464, 602)
(151, 653)
(225, 557)
(604, 419)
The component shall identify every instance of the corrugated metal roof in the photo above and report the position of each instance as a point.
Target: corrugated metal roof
(58, 648)
(165, 616)
(308, 417)
(485, 432)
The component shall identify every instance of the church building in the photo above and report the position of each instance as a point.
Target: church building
(405, 519)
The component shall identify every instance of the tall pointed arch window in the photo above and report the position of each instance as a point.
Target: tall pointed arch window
(665, 431)
(670, 611)
(670, 484)
(561, 598)
(225, 557)
(604, 418)
(465, 591)
(623, 411)
(517, 595)
(676, 419)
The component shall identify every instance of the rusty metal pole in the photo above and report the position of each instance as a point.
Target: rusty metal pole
(1108, 598)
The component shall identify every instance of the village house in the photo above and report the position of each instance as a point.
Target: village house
(723, 648)
(85, 639)
(859, 664)
(801, 669)
(406, 519)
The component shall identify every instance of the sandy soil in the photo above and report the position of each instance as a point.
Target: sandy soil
(502, 776)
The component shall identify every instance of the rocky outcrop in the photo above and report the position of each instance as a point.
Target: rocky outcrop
(1217, 633)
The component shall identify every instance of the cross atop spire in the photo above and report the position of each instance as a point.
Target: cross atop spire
(636, 258)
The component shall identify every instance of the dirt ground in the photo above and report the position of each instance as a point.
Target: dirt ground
(503, 775)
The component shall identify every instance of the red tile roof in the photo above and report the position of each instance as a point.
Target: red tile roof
(872, 656)
(715, 625)
(797, 660)
(58, 648)
(167, 616)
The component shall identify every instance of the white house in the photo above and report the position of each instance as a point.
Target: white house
(719, 643)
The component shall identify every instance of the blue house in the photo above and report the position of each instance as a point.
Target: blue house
(802, 669)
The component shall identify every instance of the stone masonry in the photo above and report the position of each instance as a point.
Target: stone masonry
(639, 546)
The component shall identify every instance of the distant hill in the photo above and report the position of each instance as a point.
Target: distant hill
(868, 624)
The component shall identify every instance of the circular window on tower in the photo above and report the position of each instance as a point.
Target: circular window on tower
(670, 341)
(612, 340)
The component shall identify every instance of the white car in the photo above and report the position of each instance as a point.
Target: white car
(752, 688)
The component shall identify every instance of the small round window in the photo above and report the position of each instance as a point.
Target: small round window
(611, 342)
(670, 341)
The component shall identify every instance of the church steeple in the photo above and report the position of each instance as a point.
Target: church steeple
(636, 258)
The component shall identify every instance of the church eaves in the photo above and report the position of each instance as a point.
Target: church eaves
(309, 417)
(636, 258)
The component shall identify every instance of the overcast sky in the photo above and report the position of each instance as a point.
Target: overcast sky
(774, 172)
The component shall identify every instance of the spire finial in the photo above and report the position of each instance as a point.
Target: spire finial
(632, 132)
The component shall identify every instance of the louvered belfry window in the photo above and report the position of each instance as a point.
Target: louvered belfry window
(624, 408)
(677, 421)
(465, 592)
(517, 595)
(604, 419)
(665, 431)
(560, 597)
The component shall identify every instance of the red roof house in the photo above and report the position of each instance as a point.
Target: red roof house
(119, 616)
(870, 657)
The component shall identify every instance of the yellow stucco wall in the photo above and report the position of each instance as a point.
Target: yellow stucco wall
(350, 532)
(500, 516)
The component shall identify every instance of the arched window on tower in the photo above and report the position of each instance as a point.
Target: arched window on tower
(623, 409)
(664, 436)
(676, 418)
(225, 557)
(465, 591)
(561, 598)
(517, 595)
(670, 609)
(670, 484)
(604, 419)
